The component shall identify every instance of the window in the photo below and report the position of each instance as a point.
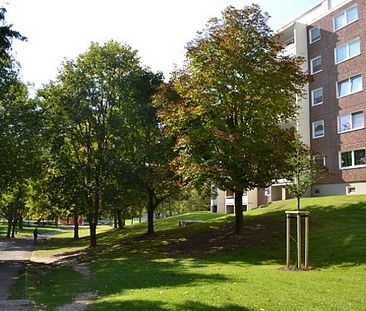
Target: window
(352, 159)
(351, 121)
(349, 86)
(319, 160)
(316, 65)
(345, 18)
(314, 34)
(347, 51)
(318, 129)
(350, 190)
(317, 97)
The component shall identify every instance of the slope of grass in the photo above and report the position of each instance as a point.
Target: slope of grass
(203, 267)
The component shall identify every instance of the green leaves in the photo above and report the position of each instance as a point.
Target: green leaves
(225, 107)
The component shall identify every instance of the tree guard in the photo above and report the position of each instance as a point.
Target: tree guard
(298, 215)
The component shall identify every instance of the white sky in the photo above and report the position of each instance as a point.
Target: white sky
(158, 29)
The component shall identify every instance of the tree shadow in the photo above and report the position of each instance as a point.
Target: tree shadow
(336, 238)
(162, 306)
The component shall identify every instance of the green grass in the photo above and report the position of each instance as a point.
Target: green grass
(49, 286)
(199, 267)
(27, 232)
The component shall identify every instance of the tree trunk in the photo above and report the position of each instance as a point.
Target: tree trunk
(119, 218)
(239, 221)
(13, 225)
(93, 221)
(298, 203)
(93, 234)
(8, 233)
(131, 220)
(76, 223)
(150, 213)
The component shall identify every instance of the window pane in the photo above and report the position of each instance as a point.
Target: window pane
(352, 15)
(359, 157)
(316, 64)
(339, 21)
(318, 129)
(344, 123)
(346, 159)
(314, 34)
(341, 53)
(357, 120)
(354, 48)
(343, 87)
(356, 83)
(317, 96)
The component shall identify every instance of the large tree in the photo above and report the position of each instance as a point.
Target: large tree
(89, 109)
(149, 151)
(227, 104)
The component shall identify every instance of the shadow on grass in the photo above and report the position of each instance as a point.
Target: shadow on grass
(162, 306)
(164, 260)
(337, 237)
(139, 273)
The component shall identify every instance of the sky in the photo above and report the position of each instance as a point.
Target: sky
(159, 29)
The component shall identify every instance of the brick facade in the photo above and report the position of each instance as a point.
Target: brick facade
(333, 142)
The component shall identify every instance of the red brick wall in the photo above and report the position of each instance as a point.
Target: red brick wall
(332, 143)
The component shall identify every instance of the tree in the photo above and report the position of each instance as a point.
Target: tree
(227, 104)
(19, 132)
(150, 151)
(89, 108)
(306, 169)
(20, 150)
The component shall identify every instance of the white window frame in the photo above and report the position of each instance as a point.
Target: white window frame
(349, 79)
(348, 52)
(312, 97)
(353, 160)
(310, 36)
(345, 13)
(349, 190)
(311, 64)
(319, 156)
(350, 121)
(314, 125)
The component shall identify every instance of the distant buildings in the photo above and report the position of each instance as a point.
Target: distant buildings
(331, 36)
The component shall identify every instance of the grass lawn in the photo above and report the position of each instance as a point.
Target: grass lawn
(27, 232)
(201, 267)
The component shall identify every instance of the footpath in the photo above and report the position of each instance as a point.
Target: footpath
(14, 254)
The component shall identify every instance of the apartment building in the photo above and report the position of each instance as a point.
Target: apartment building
(331, 37)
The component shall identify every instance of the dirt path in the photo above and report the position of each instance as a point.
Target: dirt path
(14, 254)
(84, 299)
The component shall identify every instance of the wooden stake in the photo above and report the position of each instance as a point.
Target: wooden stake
(298, 241)
(306, 241)
(288, 245)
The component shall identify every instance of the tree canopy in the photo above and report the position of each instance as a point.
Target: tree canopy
(228, 105)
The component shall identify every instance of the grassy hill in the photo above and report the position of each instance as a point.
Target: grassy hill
(203, 267)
